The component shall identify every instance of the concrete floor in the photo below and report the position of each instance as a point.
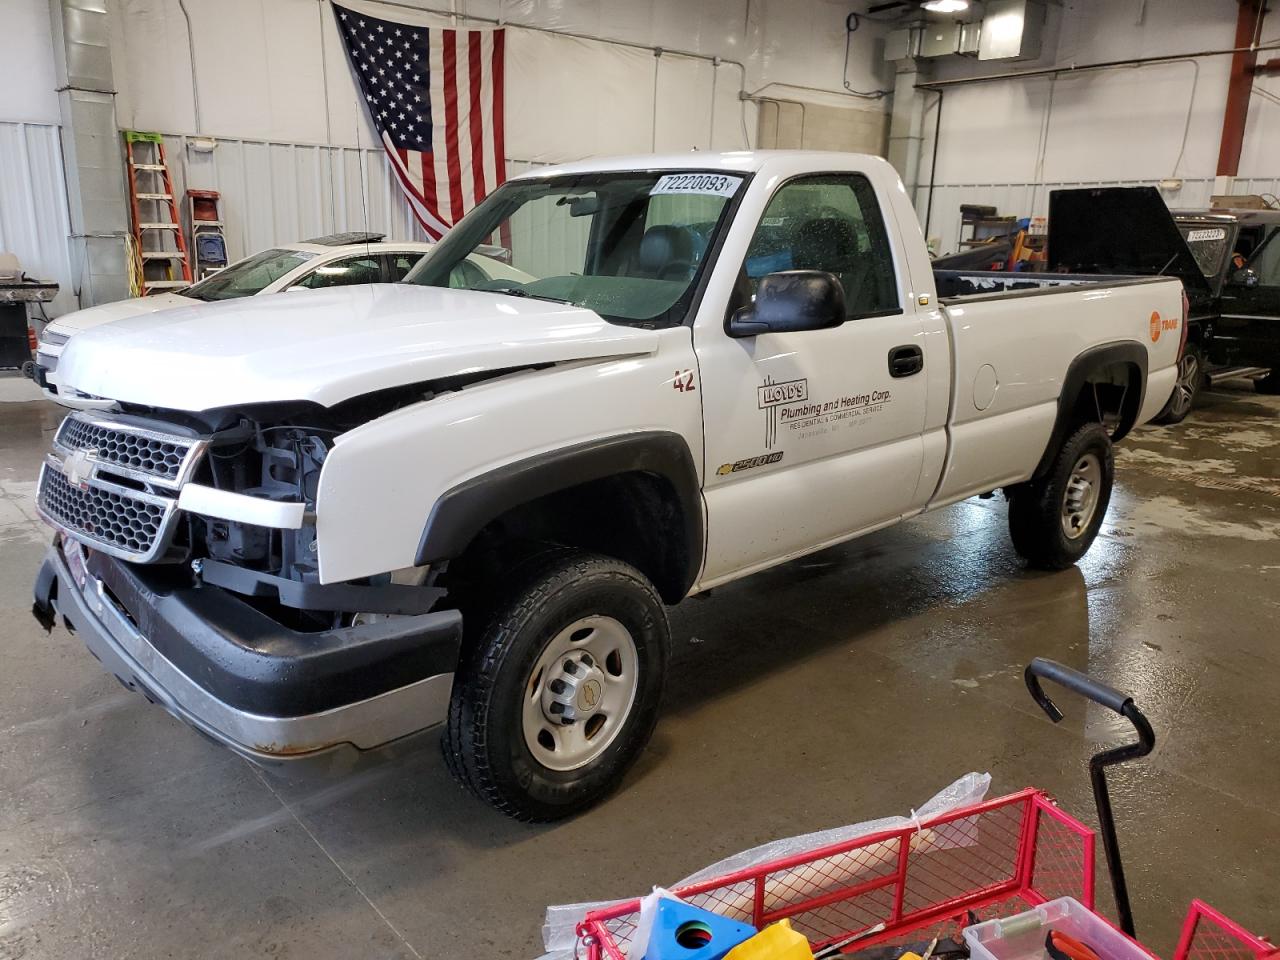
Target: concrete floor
(845, 686)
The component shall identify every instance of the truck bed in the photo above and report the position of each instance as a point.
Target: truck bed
(1010, 362)
(970, 286)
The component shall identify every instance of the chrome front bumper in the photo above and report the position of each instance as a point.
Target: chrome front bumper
(112, 637)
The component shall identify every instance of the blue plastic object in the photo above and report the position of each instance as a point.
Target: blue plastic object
(683, 932)
(211, 248)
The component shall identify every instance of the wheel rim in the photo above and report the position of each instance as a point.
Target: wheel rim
(1184, 390)
(580, 693)
(1080, 499)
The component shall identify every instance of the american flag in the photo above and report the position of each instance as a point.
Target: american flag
(435, 96)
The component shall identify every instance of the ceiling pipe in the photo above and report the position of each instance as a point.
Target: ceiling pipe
(1079, 68)
(1243, 65)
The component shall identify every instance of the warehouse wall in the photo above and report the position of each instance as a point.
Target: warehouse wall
(34, 222)
(1010, 142)
(274, 90)
(33, 199)
(26, 68)
(275, 69)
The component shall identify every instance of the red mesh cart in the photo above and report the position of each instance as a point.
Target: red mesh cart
(931, 878)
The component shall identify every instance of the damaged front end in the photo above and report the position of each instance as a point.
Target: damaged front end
(186, 559)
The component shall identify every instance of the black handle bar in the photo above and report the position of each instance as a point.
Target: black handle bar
(1122, 704)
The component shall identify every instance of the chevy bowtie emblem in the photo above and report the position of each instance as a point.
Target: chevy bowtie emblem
(77, 467)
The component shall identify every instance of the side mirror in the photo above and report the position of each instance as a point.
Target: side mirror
(789, 301)
(1244, 277)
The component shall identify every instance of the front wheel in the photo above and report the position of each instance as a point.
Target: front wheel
(1054, 520)
(1186, 388)
(559, 687)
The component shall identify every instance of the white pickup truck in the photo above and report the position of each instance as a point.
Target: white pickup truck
(308, 524)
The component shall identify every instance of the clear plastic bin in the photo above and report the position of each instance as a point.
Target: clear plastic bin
(1021, 937)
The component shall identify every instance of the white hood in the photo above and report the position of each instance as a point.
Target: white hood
(70, 323)
(329, 346)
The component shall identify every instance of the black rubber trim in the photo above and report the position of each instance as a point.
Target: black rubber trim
(464, 510)
(398, 598)
(1063, 281)
(1087, 363)
(36, 372)
(250, 662)
(46, 591)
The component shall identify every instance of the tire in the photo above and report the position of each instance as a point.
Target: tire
(1270, 384)
(1039, 510)
(1186, 389)
(502, 742)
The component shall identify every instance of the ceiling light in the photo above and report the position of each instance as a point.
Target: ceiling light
(945, 6)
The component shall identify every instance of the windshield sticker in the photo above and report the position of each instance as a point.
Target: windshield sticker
(707, 184)
(1212, 233)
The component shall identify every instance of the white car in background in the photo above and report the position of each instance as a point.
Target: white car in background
(342, 259)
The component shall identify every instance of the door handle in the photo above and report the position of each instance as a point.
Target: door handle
(905, 361)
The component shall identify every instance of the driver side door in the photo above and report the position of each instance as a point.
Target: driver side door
(1248, 330)
(813, 435)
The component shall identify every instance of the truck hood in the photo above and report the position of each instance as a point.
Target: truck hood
(70, 323)
(1119, 230)
(329, 346)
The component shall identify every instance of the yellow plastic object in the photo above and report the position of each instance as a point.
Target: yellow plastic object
(775, 942)
(910, 956)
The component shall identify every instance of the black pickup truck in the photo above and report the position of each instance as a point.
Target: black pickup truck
(1228, 261)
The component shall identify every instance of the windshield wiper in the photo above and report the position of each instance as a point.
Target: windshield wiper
(518, 292)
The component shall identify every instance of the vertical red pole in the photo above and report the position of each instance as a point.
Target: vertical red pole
(900, 884)
(1027, 840)
(1240, 88)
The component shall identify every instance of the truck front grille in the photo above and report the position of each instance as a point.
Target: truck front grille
(125, 523)
(113, 484)
(135, 451)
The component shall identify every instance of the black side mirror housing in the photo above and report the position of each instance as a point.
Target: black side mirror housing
(789, 301)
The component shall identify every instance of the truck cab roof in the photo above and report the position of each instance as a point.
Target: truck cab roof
(730, 161)
(1242, 217)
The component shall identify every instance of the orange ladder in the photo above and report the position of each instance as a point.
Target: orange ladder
(151, 187)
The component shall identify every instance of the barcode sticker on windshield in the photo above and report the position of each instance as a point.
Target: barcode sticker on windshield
(1213, 233)
(709, 184)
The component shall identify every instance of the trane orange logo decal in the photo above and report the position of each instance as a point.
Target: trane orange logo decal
(1159, 324)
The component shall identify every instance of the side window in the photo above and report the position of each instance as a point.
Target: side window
(342, 273)
(465, 275)
(1266, 262)
(828, 222)
(399, 264)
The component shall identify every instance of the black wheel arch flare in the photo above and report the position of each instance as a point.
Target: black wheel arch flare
(1128, 353)
(462, 511)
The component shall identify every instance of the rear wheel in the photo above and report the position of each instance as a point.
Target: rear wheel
(1270, 384)
(559, 687)
(1055, 519)
(1186, 389)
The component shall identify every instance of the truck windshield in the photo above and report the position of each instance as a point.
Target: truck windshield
(1208, 244)
(249, 276)
(628, 245)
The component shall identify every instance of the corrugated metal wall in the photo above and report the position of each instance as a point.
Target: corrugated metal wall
(34, 223)
(275, 192)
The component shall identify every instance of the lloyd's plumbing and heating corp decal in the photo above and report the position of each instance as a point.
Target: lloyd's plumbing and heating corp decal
(787, 404)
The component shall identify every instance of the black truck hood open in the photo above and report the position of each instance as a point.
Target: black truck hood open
(1119, 230)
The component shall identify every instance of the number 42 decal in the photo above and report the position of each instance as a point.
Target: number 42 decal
(684, 381)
